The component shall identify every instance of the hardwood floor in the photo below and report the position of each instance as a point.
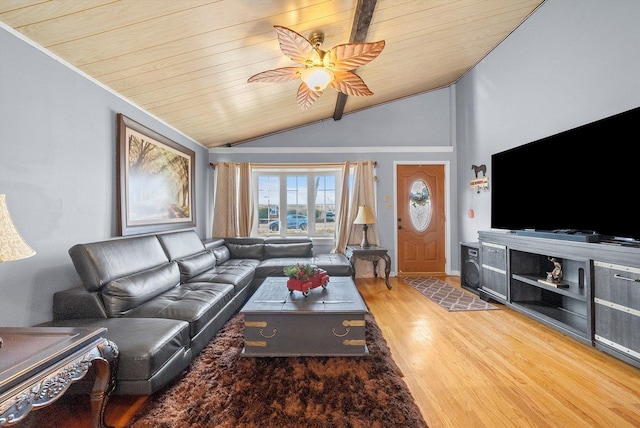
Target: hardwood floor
(499, 368)
(485, 368)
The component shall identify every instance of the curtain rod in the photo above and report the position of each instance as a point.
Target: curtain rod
(287, 165)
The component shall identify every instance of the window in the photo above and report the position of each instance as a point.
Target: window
(297, 201)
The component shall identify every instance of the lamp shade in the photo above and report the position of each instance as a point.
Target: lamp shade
(12, 246)
(365, 216)
(317, 78)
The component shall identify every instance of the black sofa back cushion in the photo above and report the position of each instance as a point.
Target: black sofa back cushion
(245, 251)
(98, 263)
(181, 244)
(300, 249)
(195, 264)
(123, 294)
(222, 254)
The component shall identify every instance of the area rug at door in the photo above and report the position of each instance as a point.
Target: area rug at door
(446, 295)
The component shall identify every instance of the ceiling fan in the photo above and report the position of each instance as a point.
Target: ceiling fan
(319, 69)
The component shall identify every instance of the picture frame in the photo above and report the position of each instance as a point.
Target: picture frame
(155, 181)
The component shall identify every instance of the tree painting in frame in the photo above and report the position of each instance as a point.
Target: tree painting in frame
(155, 181)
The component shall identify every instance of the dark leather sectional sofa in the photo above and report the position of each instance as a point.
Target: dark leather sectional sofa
(163, 297)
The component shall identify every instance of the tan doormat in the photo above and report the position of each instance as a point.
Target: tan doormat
(447, 296)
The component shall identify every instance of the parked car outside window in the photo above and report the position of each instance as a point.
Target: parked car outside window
(294, 221)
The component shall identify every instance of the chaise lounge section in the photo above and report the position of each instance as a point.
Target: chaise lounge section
(163, 297)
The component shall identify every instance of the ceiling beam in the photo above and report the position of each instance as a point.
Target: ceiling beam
(359, 30)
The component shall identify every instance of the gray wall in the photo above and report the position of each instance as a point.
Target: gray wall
(571, 63)
(419, 129)
(58, 170)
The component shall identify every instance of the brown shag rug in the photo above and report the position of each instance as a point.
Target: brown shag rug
(224, 389)
(447, 296)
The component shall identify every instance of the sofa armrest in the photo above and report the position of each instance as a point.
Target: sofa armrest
(77, 303)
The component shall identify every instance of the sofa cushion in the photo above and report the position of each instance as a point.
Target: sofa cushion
(196, 303)
(274, 267)
(222, 254)
(195, 264)
(334, 263)
(126, 293)
(245, 251)
(98, 263)
(237, 272)
(154, 343)
(145, 344)
(301, 249)
(213, 243)
(178, 245)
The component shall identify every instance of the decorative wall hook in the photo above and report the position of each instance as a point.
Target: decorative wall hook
(481, 183)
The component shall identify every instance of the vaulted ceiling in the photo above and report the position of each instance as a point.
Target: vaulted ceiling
(187, 61)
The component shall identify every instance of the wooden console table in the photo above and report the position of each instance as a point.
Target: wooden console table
(372, 254)
(38, 364)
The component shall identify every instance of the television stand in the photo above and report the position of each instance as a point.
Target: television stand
(596, 302)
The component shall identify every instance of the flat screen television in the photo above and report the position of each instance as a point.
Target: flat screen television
(581, 181)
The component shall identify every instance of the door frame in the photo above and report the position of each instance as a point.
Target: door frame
(447, 209)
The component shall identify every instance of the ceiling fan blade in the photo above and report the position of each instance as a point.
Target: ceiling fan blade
(306, 96)
(350, 83)
(283, 74)
(296, 46)
(351, 56)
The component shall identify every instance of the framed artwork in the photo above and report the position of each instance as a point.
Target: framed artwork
(156, 181)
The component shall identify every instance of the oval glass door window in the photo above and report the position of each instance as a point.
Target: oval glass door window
(420, 205)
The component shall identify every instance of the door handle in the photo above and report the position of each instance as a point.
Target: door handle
(399, 227)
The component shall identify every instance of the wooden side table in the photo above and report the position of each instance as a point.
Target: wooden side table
(38, 364)
(372, 254)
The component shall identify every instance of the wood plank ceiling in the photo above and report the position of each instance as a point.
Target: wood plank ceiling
(187, 62)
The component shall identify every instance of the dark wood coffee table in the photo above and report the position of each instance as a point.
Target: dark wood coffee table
(38, 364)
(327, 322)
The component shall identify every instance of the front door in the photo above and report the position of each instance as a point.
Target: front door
(421, 220)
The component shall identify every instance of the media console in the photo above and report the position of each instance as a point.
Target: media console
(598, 301)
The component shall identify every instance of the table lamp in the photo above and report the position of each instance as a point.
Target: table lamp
(365, 218)
(12, 246)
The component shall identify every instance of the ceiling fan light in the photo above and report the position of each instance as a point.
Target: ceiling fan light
(317, 78)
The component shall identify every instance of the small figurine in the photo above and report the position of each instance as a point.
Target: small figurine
(555, 275)
(482, 168)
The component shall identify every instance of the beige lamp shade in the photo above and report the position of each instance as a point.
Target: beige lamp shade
(12, 246)
(365, 216)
